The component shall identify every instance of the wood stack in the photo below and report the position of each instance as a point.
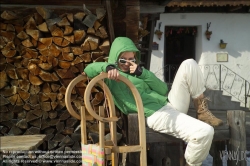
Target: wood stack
(40, 54)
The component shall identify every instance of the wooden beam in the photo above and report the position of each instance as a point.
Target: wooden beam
(165, 2)
(110, 21)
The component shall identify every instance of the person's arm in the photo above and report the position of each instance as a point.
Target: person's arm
(95, 68)
(154, 82)
(149, 78)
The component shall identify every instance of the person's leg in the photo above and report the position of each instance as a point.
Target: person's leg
(188, 82)
(196, 133)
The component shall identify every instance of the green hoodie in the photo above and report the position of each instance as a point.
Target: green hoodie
(152, 90)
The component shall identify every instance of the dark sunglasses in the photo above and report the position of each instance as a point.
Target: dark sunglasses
(123, 61)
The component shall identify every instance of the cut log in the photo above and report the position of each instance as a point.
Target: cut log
(27, 43)
(65, 73)
(91, 31)
(56, 31)
(24, 95)
(60, 41)
(9, 50)
(37, 123)
(3, 101)
(77, 60)
(22, 35)
(7, 36)
(9, 15)
(105, 47)
(3, 26)
(79, 16)
(67, 141)
(15, 131)
(44, 12)
(45, 106)
(45, 76)
(97, 24)
(71, 39)
(86, 57)
(52, 96)
(34, 89)
(43, 97)
(22, 124)
(103, 32)
(77, 50)
(55, 87)
(31, 24)
(100, 13)
(46, 88)
(54, 105)
(35, 34)
(52, 114)
(54, 50)
(85, 46)
(68, 56)
(79, 36)
(10, 28)
(68, 131)
(19, 101)
(64, 64)
(74, 69)
(93, 43)
(46, 41)
(38, 18)
(59, 96)
(96, 55)
(30, 53)
(33, 68)
(55, 77)
(60, 126)
(68, 30)
(45, 66)
(12, 99)
(24, 84)
(43, 27)
(34, 80)
(64, 22)
(58, 137)
(12, 74)
(3, 76)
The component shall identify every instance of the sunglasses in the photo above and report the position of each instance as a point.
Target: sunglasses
(123, 61)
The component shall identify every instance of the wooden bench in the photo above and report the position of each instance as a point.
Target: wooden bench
(162, 146)
(20, 142)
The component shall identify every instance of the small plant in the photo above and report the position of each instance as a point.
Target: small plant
(208, 33)
(159, 34)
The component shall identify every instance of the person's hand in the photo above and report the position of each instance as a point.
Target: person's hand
(83, 73)
(113, 74)
(132, 66)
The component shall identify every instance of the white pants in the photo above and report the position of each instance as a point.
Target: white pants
(172, 119)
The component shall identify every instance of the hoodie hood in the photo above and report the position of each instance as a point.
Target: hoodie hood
(119, 45)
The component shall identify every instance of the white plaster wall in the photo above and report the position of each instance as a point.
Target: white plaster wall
(233, 29)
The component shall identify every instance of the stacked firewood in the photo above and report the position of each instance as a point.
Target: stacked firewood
(40, 54)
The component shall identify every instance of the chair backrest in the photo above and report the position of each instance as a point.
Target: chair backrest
(98, 80)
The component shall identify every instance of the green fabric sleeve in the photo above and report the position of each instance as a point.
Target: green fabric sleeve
(154, 82)
(95, 68)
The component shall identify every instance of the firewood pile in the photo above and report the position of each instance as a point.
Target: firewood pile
(40, 54)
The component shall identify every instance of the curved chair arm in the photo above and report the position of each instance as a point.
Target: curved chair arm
(69, 89)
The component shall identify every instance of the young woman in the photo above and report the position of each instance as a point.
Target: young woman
(165, 114)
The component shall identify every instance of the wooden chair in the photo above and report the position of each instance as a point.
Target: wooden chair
(112, 119)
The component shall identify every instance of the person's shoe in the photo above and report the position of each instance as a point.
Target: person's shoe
(204, 114)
